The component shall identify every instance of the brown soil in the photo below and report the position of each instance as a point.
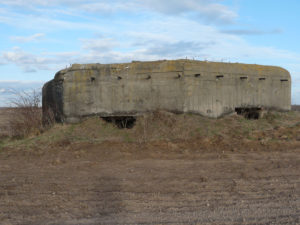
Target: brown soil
(225, 175)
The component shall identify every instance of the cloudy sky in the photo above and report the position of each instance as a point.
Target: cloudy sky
(40, 37)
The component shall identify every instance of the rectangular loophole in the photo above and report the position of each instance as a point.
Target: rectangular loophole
(219, 76)
(262, 78)
(284, 80)
(197, 75)
(243, 78)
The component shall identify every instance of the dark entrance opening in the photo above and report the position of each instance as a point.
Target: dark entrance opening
(249, 113)
(121, 121)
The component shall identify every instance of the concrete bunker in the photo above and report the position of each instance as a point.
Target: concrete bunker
(182, 86)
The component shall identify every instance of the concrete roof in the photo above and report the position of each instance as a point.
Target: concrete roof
(139, 67)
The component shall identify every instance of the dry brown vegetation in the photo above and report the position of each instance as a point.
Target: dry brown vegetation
(24, 118)
(275, 128)
(167, 169)
(296, 107)
(4, 125)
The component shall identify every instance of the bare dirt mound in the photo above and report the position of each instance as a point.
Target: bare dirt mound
(167, 169)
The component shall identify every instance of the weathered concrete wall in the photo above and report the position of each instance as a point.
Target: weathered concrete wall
(206, 88)
(53, 100)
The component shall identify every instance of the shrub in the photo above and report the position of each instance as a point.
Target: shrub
(25, 118)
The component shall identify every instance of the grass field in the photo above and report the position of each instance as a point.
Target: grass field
(167, 169)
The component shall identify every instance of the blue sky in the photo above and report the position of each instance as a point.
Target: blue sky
(40, 37)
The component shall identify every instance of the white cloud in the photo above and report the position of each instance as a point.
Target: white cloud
(18, 56)
(209, 10)
(22, 3)
(179, 49)
(45, 20)
(252, 31)
(2, 60)
(108, 7)
(31, 62)
(23, 39)
(101, 44)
